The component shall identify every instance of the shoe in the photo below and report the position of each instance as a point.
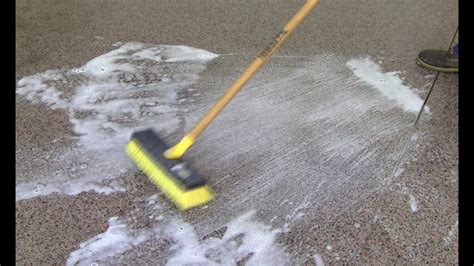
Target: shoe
(439, 60)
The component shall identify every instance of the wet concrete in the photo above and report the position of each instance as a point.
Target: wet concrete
(354, 198)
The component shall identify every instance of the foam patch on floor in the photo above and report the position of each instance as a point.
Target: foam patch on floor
(129, 88)
(245, 240)
(413, 203)
(306, 127)
(318, 260)
(117, 239)
(388, 84)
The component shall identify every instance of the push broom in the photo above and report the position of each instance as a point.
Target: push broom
(162, 164)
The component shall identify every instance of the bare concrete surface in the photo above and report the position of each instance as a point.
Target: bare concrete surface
(338, 170)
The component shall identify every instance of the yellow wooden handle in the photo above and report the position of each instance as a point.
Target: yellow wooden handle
(178, 150)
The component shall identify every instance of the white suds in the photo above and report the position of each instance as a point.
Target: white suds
(130, 88)
(413, 203)
(389, 84)
(318, 260)
(453, 232)
(295, 215)
(245, 240)
(116, 240)
(399, 172)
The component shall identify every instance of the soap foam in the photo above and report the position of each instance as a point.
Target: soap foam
(132, 87)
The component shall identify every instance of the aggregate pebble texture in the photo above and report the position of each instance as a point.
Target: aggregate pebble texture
(379, 187)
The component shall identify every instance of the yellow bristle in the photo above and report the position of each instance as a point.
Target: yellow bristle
(184, 199)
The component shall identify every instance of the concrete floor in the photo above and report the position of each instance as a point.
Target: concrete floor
(284, 126)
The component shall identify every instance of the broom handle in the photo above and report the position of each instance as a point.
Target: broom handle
(177, 151)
